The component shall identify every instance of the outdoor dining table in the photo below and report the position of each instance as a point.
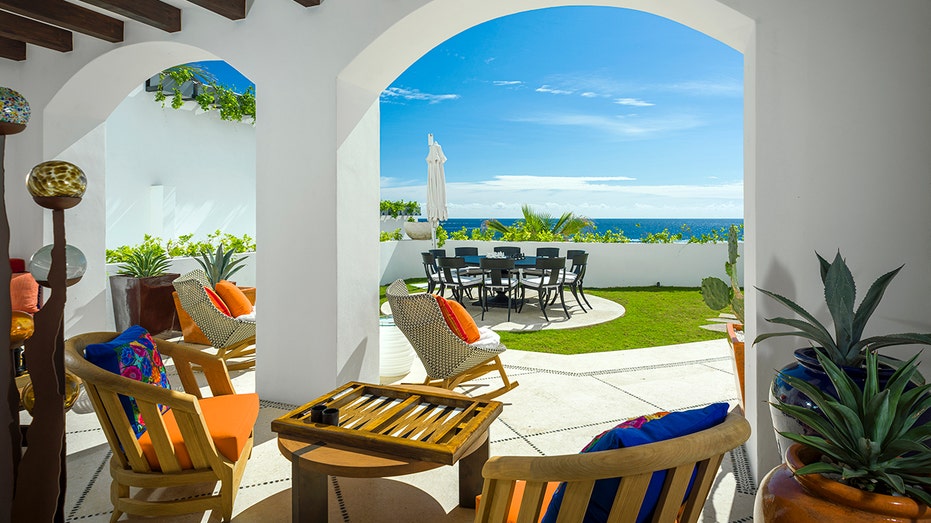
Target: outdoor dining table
(522, 263)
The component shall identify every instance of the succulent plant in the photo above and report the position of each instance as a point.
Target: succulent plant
(870, 437)
(144, 261)
(220, 265)
(715, 292)
(846, 346)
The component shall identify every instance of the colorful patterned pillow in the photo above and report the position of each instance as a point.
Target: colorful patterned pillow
(639, 431)
(133, 355)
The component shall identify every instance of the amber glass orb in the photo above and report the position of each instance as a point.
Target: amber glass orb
(72, 390)
(56, 184)
(14, 111)
(41, 263)
(22, 327)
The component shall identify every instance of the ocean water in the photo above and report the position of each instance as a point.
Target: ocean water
(633, 228)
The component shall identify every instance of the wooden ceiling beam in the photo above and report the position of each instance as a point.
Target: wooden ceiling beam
(232, 9)
(150, 12)
(68, 16)
(12, 49)
(32, 32)
(309, 3)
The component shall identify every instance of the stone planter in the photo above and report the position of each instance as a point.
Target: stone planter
(395, 355)
(418, 230)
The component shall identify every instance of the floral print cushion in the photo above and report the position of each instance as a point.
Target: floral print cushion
(133, 355)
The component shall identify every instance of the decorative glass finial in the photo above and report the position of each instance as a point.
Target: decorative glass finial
(56, 184)
(14, 111)
(75, 265)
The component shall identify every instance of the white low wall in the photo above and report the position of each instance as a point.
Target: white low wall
(609, 264)
(244, 277)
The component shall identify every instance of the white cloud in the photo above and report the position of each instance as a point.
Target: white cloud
(593, 196)
(548, 89)
(415, 94)
(507, 82)
(635, 102)
(618, 126)
(707, 87)
(589, 94)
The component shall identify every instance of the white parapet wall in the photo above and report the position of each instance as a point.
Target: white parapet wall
(609, 264)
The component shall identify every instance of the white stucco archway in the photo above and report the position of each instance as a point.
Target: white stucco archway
(361, 82)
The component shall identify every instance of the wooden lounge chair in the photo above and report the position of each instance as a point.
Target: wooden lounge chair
(448, 360)
(186, 445)
(701, 451)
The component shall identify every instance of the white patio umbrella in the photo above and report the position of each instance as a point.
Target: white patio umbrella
(436, 187)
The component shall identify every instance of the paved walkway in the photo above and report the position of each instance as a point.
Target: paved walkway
(561, 403)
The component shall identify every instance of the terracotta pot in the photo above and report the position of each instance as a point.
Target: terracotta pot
(784, 497)
(737, 347)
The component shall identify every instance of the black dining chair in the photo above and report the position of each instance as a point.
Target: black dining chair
(509, 251)
(466, 251)
(455, 279)
(500, 277)
(551, 280)
(437, 253)
(570, 253)
(433, 275)
(548, 252)
(575, 276)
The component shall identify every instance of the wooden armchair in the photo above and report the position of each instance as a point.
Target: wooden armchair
(701, 452)
(195, 441)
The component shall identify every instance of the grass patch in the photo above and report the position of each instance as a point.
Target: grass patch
(655, 316)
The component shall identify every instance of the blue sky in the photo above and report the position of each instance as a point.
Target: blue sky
(605, 112)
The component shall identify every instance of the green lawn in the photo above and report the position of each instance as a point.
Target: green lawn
(655, 316)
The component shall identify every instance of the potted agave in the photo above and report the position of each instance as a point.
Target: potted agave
(845, 348)
(717, 295)
(141, 291)
(871, 460)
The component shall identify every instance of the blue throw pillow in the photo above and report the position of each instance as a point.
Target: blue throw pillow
(132, 355)
(672, 425)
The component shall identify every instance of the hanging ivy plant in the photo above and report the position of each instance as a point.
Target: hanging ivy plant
(209, 95)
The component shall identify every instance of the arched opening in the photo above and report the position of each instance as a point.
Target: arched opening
(136, 155)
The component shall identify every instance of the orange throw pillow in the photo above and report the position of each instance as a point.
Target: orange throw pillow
(459, 321)
(217, 302)
(469, 328)
(24, 293)
(230, 419)
(234, 298)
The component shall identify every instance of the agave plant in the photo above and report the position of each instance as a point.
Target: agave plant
(220, 265)
(847, 346)
(871, 437)
(147, 260)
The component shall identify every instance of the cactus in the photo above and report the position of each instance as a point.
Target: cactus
(715, 292)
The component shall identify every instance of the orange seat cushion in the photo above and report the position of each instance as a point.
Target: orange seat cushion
(236, 300)
(217, 301)
(24, 293)
(230, 419)
(189, 330)
(458, 320)
(514, 507)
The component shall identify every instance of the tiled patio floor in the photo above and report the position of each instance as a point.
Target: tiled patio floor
(562, 401)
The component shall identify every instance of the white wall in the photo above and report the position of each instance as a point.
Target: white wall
(609, 264)
(206, 165)
(836, 151)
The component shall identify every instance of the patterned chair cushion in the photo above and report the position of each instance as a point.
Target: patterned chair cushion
(132, 355)
(630, 434)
